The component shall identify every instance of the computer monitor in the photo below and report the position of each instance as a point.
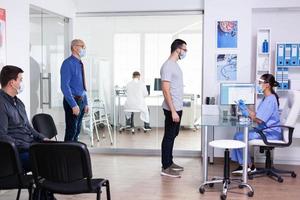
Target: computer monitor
(231, 92)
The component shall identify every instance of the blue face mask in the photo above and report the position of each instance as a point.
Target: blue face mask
(82, 52)
(259, 89)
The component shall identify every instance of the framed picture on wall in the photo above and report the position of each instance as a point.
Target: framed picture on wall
(227, 32)
(226, 67)
(2, 37)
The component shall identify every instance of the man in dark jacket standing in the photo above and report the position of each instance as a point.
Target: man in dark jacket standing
(14, 124)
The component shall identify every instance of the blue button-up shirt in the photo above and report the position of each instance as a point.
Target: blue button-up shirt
(72, 80)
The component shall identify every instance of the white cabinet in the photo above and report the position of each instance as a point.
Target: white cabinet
(263, 57)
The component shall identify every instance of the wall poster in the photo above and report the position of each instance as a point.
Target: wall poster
(2, 37)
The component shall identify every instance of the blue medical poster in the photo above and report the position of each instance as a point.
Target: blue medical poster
(227, 67)
(227, 34)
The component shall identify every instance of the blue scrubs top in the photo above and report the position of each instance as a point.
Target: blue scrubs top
(268, 112)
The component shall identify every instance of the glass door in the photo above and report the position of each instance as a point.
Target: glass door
(48, 48)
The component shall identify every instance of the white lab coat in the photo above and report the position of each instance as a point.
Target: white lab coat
(136, 93)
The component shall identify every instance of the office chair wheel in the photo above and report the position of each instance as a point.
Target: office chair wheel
(241, 186)
(211, 185)
(202, 190)
(139, 129)
(293, 174)
(250, 194)
(250, 177)
(223, 196)
(280, 180)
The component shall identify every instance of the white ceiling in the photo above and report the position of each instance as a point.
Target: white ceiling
(84, 6)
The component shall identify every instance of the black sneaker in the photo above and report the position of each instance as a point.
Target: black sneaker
(252, 168)
(239, 170)
(147, 128)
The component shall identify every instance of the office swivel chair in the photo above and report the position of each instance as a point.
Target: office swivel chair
(292, 108)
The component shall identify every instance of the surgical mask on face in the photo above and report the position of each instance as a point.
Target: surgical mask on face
(21, 87)
(82, 52)
(182, 55)
(259, 88)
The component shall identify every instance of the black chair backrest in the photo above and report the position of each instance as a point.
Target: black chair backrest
(60, 162)
(44, 124)
(10, 161)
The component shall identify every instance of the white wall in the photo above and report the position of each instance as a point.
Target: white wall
(17, 32)
(285, 27)
(17, 39)
(137, 5)
(215, 10)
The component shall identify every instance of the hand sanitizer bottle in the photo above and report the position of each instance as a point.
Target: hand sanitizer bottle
(265, 47)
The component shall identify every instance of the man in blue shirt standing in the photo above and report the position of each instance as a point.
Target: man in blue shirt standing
(74, 90)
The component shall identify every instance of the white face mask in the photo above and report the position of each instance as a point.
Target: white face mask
(82, 52)
(182, 55)
(21, 88)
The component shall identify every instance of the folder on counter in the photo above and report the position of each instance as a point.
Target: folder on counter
(280, 54)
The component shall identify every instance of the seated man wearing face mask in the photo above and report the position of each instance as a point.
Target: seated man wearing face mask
(14, 124)
(136, 93)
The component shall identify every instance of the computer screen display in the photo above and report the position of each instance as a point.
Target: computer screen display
(231, 92)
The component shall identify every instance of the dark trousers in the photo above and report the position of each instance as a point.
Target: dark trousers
(73, 122)
(171, 131)
(44, 195)
(24, 157)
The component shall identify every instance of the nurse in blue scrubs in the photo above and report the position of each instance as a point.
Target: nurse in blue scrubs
(266, 115)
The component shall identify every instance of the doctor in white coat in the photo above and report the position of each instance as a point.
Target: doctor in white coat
(136, 93)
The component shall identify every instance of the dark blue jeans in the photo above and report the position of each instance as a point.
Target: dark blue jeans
(73, 122)
(171, 131)
(24, 157)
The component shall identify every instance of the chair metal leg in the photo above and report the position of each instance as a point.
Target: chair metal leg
(30, 190)
(107, 190)
(99, 193)
(18, 195)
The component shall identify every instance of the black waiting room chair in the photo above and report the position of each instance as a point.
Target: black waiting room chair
(44, 124)
(12, 175)
(65, 168)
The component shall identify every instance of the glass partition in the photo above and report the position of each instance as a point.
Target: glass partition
(119, 45)
(48, 39)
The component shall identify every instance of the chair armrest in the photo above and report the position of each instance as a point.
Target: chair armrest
(270, 143)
